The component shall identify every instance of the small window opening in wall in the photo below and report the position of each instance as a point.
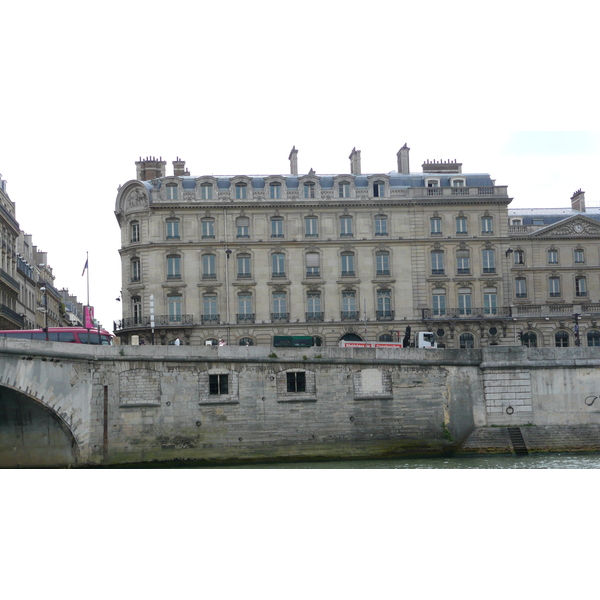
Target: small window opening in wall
(296, 382)
(218, 385)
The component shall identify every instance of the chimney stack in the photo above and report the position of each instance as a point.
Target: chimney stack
(293, 158)
(179, 168)
(150, 168)
(403, 160)
(578, 201)
(355, 162)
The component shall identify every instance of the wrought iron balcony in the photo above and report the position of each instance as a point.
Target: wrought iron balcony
(210, 319)
(467, 313)
(159, 321)
(349, 315)
(4, 276)
(314, 317)
(10, 316)
(246, 318)
(280, 317)
(385, 315)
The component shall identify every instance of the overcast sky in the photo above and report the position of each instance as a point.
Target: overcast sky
(230, 87)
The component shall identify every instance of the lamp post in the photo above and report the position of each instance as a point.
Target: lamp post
(45, 297)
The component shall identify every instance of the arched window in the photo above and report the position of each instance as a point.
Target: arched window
(208, 228)
(136, 271)
(384, 305)
(275, 190)
(530, 339)
(317, 340)
(246, 341)
(593, 338)
(561, 339)
(467, 341)
(349, 312)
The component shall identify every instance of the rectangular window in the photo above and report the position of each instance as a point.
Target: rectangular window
(136, 274)
(313, 302)
(206, 191)
(347, 265)
(313, 261)
(436, 226)
(580, 287)
(579, 257)
(245, 304)
(279, 305)
(171, 192)
(349, 303)
(208, 228)
(381, 228)
(379, 189)
(218, 385)
(275, 191)
(461, 225)
(210, 306)
(346, 226)
(276, 228)
(520, 288)
(462, 260)
(437, 262)
(172, 230)
(174, 307)
(310, 227)
(552, 257)
(384, 304)
(243, 227)
(278, 261)
(344, 189)
(439, 304)
(240, 191)
(519, 257)
(135, 232)
(487, 225)
(383, 263)
(296, 382)
(554, 287)
(173, 267)
(464, 304)
(489, 261)
(490, 303)
(243, 267)
(209, 266)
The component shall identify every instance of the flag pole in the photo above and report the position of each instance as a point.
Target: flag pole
(87, 258)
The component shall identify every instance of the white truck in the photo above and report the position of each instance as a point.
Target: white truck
(425, 339)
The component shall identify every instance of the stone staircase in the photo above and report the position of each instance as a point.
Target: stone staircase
(517, 441)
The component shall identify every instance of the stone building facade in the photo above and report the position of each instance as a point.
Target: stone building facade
(348, 256)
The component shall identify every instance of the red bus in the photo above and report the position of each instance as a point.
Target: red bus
(73, 335)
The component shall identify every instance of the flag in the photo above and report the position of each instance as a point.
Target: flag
(85, 267)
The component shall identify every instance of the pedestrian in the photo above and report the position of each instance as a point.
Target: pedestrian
(177, 342)
(222, 342)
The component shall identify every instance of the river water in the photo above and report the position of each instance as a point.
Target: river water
(535, 461)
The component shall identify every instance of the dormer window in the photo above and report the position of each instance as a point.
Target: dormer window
(458, 183)
(241, 192)
(206, 191)
(344, 189)
(309, 190)
(171, 191)
(379, 189)
(275, 190)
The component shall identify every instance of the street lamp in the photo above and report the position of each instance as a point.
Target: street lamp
(45, 296)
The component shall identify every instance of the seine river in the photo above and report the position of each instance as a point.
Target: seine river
(536, 461)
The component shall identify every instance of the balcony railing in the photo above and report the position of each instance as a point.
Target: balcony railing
(385, 315)
(349, 315)
(245, 318)
(210, 319)
(159, 321)
(10, 315)
(467, 313)
(280, 317)
(4, 276)
(314, 317)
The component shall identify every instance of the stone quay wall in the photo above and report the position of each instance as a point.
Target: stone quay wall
(133, 404)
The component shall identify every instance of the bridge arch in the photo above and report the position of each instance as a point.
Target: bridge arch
(32, 434)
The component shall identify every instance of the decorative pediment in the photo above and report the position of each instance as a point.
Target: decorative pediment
(578, 226)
